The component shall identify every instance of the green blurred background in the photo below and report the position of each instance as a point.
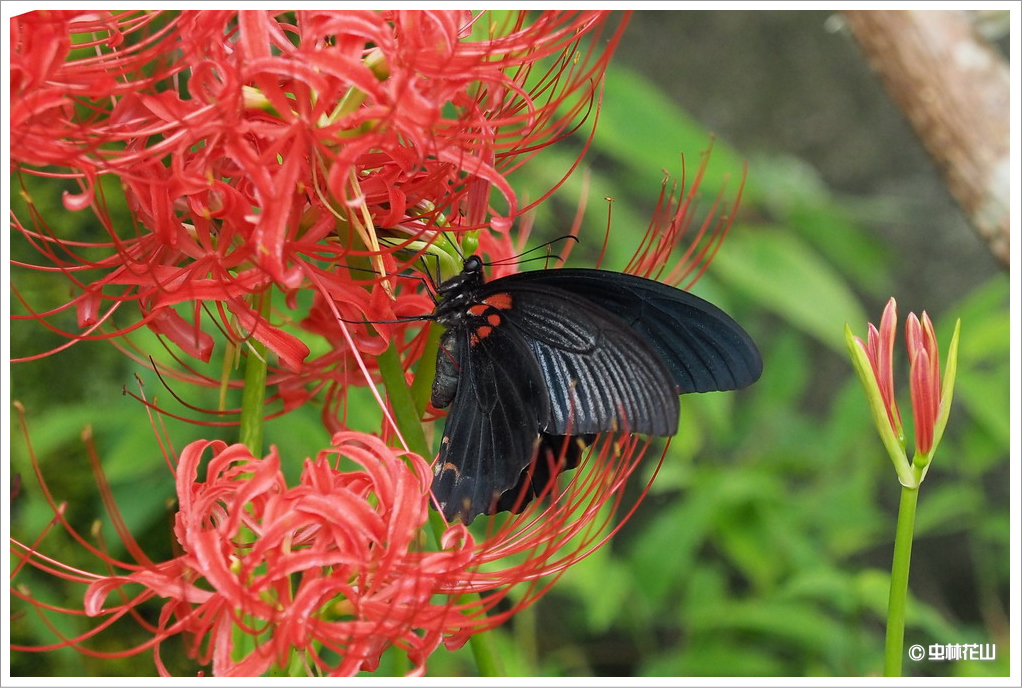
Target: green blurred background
(764, 546)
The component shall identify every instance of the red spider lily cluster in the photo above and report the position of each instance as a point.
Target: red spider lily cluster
(327, 561)
(279, 170)
(335, 563)
(257, 150)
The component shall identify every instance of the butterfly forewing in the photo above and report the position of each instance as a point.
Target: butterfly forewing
(599, 373)
(704, 348)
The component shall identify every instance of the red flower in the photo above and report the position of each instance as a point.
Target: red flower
(924, 380)
(332, 562)
(259, 150)
(931, 402)
(880, 351)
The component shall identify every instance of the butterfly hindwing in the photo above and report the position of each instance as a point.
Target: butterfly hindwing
(556, 453)
(491, 432)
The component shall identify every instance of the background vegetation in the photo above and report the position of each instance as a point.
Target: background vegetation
(764, 546)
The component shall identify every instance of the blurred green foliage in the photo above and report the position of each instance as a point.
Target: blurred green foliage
(763, 547)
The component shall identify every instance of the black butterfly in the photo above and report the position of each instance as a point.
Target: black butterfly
(535, 364)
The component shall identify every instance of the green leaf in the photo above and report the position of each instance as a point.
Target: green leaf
(603, 583)
(664, 551)
(716, 657)
(873, 587)
(947, 507)
(781, 272)
(794, 192)
(985, 395)
(801, 625)
(982, 386)
(658, 142)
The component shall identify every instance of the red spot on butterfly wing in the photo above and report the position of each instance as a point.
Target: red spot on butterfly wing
(501, 301)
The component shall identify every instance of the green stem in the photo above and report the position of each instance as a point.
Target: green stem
(401, 403)
(406, 416)
(525, 636)
(487, 656)
(250, 433)
(253, 396)
(894, 648)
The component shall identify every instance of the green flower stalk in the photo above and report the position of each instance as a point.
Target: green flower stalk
(931, 405)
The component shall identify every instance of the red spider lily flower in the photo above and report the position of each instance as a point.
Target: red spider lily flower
(880, 349)
(336, 563)
(301, 153)
(931, 402)
(924, 380)
(258, 149)
(333, 562)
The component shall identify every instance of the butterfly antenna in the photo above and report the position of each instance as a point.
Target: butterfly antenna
(431, 281)
(520, 258)
(457, 249)
(428, 280)
(410, 318)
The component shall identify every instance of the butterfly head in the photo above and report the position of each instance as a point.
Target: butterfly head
(460, 291)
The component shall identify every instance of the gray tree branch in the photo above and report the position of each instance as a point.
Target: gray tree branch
(953, 88)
